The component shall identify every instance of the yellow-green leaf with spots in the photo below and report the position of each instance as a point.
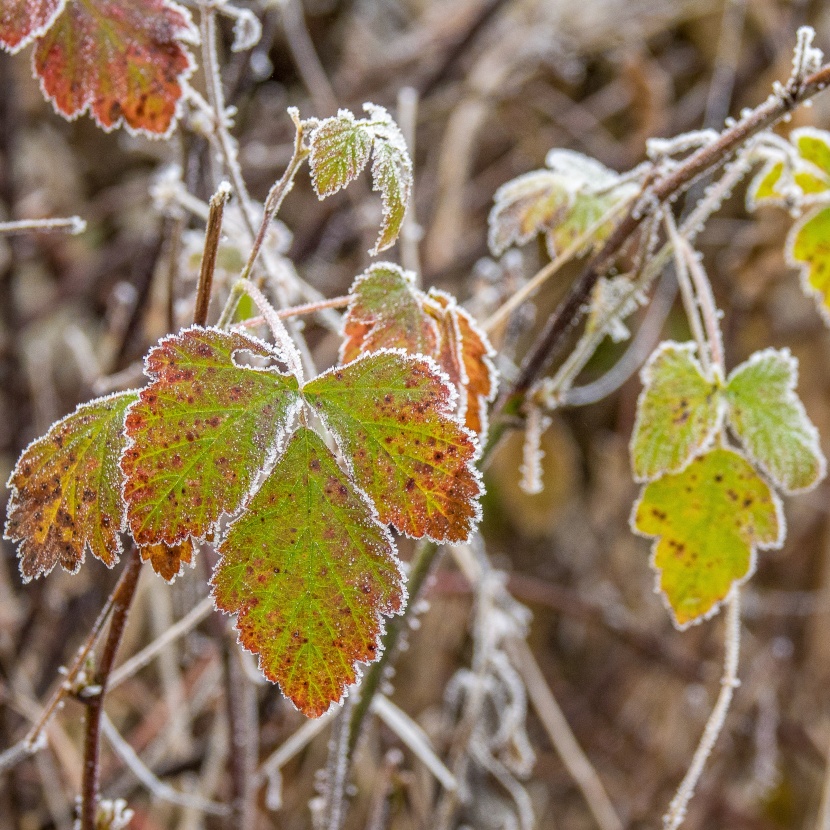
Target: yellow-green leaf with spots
(66, 490)
(708, 521)
(311, 572)
(679, 412)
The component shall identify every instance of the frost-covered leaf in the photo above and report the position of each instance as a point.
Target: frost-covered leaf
(122, 61)
(340, 148)
(168, 560)
(310, 571)
(392, 177)
(199, 434)
(465, 354)
(814, 147)
(708, 520)
(612, 300)
(23, 20)
(392, 416)
(563, 202)
(775, 185)
(808, 248)
(66, 490)
(386, 310)
(679, 412)
(525, 206)
(771, 422)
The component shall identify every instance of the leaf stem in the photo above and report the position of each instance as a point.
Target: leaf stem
(299, 310)
(729, 682)
(212, 234)
(94, 693)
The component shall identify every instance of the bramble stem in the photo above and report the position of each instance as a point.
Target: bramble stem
(72, 225)
(212, 234)
(94, 693)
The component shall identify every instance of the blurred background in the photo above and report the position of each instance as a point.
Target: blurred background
(483, 89)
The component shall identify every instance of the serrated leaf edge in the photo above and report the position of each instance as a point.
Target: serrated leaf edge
(188, 34)
(14, 493)
(646, 380)
(35, 33)
(804, 267)
(754, 547)
(795, 400)
(445, 410)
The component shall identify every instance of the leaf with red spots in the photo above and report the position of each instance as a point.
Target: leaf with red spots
(66, 490)
(387, 310)
(125, 62)
(167, 560)
(708, 521)
(23, 20)
(392, 417)
(201, 432)
(310, 571)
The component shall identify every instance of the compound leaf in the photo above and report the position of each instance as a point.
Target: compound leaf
(199, 434)
(386, 310)
(123, 61)
(23, 20)
(66, 490)
(771, 422)
(679, 412)
(340, 148)
(708, 520)
(392, 417)
(808, 247)
(309, 570)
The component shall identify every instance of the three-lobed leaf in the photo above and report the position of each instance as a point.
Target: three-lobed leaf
(679, 412)
(708, 521)
(66, 490)
(124, 62)
(201, 432)
(310, 571)
(771, 422)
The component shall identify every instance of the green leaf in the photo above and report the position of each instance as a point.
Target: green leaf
(386, 310)
(708, 520)
(808, 248)
(200, 433)
(340, 148)
(771, 421)
(310, 571)
(772, 185)
(814, 147)
(392, 417)
(587, 209)
(679, 412)
(66, 490)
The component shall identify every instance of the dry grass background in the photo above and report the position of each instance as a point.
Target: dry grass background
(499, 82)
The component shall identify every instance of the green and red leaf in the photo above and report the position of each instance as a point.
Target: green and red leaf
(310, 571)
(125, 62)
(201, 432)
(392, 417)
(66, 490)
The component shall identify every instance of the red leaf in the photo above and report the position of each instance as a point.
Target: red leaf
(122, 61)
(23, 20)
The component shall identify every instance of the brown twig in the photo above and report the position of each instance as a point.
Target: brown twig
(94, 693)
(212, 234)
